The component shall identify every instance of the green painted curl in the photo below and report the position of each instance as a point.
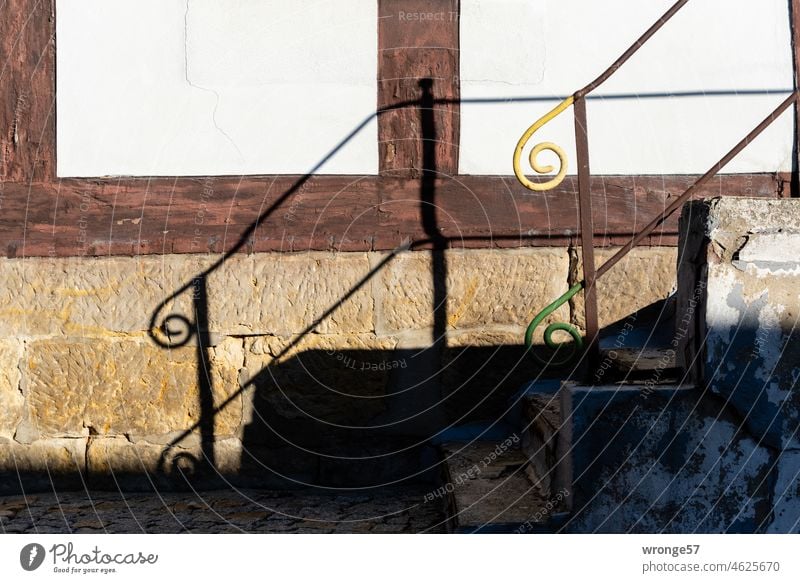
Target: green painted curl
(577, 344)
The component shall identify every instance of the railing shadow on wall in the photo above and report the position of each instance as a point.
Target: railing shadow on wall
(171, 330)
(271, 440)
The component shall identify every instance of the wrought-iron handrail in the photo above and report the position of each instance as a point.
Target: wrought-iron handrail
(590, 272)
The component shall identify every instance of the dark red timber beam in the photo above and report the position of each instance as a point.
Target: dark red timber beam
(417, 41)
(42, 215)
(794, 10)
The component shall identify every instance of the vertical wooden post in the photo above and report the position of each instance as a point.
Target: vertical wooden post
(27, 81)
(794, 21)
(417, 39)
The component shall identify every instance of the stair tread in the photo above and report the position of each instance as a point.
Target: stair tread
(638, 344)
(544, 409)
(488, 487)
(639, 359)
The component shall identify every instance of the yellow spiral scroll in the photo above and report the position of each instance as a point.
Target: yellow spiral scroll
(538, 149)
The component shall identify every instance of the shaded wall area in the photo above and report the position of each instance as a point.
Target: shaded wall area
(311, 368)
(715, 449)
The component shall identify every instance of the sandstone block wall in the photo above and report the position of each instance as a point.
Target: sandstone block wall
(309, 357)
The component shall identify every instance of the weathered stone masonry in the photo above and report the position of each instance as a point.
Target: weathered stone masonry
(715, 449)
(84, 388)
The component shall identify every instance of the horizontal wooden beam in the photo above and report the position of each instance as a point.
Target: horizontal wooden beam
(41, 215)
(370, 213)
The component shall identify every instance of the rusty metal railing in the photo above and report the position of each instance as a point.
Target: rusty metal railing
(591, 273)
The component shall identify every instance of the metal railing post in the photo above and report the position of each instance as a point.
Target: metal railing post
(587, 228)
(590, 270)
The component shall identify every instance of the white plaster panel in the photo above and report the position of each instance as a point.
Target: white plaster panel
(732, 56)
(215, 87)
(772, 247)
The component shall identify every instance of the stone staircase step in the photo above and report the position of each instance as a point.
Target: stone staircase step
(540, 420)
(675, 429)
(476, 431)
(664, 458)
(639, 346)
(625, 364)
(540, 440)
(489, 489)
